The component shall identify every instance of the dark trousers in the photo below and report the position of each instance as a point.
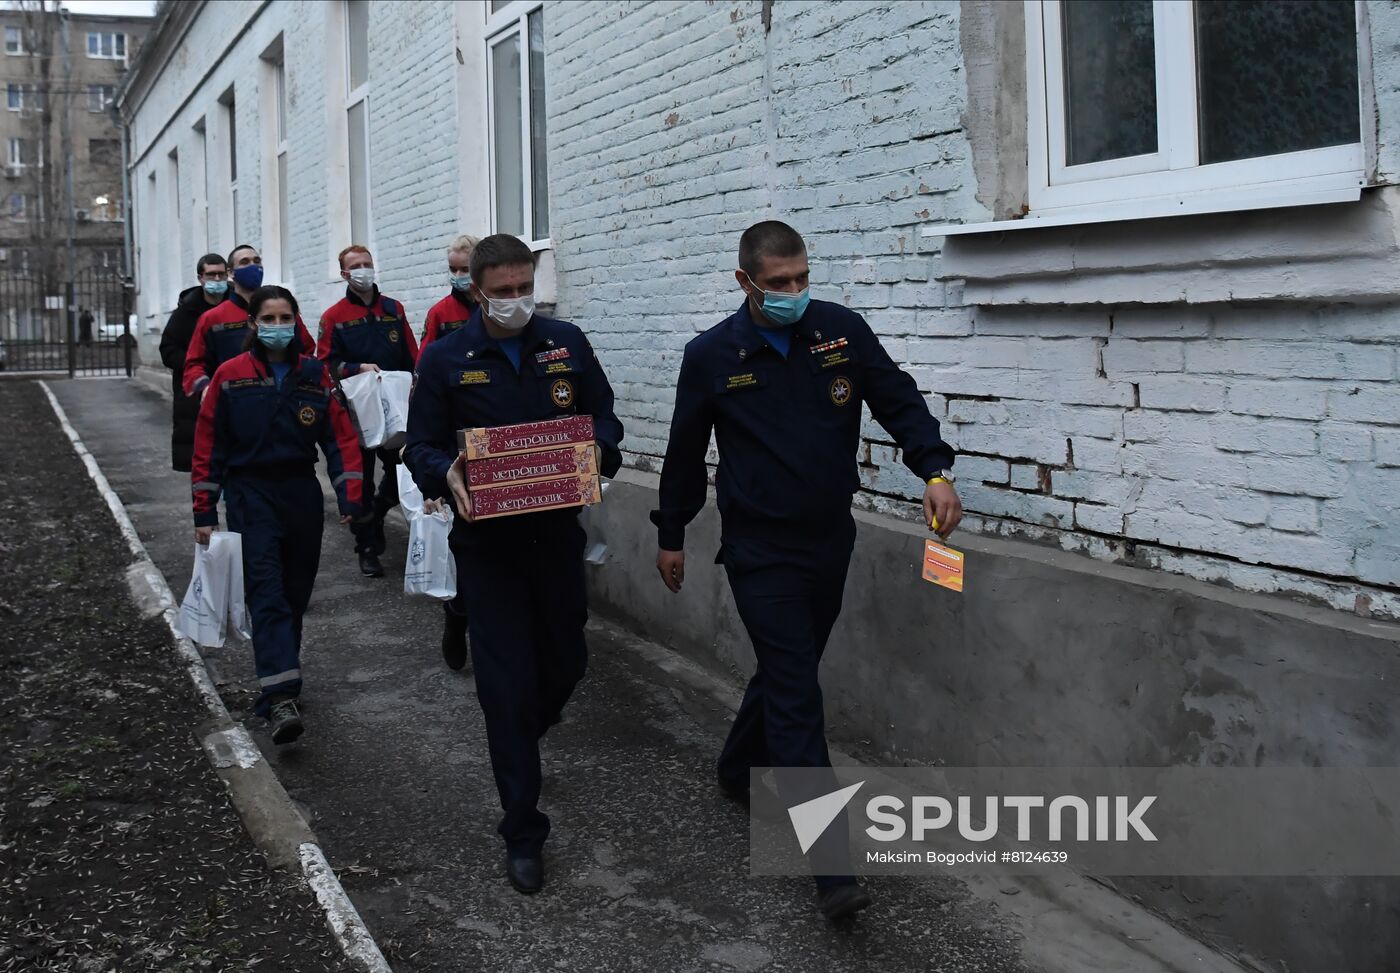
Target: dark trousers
(523, 584)
(281, 523)
(788, 594)
(368, 529)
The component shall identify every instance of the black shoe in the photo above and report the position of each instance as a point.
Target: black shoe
(370, 566)
(285, 720)
(838, 902)
(765, 805)
(454, 640)
(526, 872)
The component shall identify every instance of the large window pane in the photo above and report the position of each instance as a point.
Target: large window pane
(506, 109)
(357, 34)
(1110, 80)
(359, 173)
(539, 154)
(1275, 77)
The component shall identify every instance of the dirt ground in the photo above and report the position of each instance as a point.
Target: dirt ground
(118, 847)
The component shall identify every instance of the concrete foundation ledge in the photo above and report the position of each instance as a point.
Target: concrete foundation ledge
(1054, 659)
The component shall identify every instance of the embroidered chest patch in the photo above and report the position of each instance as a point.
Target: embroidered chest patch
(744, 381)
(307, 416)
(475, 378)
(563, 394)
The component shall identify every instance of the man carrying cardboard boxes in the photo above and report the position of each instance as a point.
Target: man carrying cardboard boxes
(517, 492)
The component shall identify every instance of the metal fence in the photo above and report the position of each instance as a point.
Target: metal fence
(80, 325)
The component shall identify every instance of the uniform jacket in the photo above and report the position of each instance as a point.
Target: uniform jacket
(787, 429)
(219, 336)
(174, 341)
(250, 426)
(446, 316)
(465, 380)
(354, 333)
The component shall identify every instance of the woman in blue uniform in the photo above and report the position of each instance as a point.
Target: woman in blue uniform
(261, 420)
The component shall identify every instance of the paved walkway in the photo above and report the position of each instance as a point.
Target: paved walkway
(646, 867)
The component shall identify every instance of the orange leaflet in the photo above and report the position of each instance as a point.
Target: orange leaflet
(943, 565)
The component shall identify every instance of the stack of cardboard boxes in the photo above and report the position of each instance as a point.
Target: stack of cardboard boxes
(531, 466)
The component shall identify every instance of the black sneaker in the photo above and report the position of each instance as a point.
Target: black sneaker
(454, 640)
(840, 902)
(370, 566)
(285, 720)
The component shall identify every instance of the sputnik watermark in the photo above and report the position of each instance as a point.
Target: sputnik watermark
(1113, 821)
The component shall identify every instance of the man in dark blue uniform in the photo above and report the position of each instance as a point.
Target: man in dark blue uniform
(781, 382)
(521, 577)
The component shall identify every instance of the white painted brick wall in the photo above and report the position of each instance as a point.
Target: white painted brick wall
(1255, 443)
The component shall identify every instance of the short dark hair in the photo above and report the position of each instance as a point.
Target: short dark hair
(499, 250)
(241, 246)
(206, 260)
(771, 238)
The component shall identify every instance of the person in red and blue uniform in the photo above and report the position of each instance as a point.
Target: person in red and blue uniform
(366, 331)
(454, 310)
(780, 382)
(221, 331)
(521, 576)
(265, 412)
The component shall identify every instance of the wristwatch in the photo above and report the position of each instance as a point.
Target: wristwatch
(946, 475)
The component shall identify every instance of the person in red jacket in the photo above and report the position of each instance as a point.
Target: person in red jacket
(366, 331)
(219, 335)
(265, 412)
(456, 309)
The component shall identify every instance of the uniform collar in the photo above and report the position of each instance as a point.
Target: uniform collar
(355, 298)
(750, 339)
(236, 299)
(462, 300)
(532, 336)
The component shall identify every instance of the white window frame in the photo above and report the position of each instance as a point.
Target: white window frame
(354, 97)
(101, 35)
(106, 94)
(17, 89)
(514, 16)
(1172, 176)
(19, 39)
(22, 215)
(15, 153)
(282, 164)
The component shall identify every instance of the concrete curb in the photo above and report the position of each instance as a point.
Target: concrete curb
(272, 819)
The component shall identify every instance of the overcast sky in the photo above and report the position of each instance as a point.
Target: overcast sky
(121, 8)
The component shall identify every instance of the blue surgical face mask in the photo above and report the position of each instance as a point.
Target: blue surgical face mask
(462, 283)
(782, 309)
(215, 288)
(249, 277)
(276, 335)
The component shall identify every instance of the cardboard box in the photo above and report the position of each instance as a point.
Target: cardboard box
(524, 498)
(525, 437)
(546, 464)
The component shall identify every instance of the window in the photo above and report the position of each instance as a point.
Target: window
(1136, 100)
(25, 152)
(231, 120)
(357, 116)
(104, 152)
(106, 208)
(16, 206)
(106, 45)
(100, 97)
(14, 40)
(516, 99)
(23, 97)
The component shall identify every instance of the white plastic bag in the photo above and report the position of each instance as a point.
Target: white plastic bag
(362, 393)
(214, 602)
(431, 569)
(410, 497)
(393, 401)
